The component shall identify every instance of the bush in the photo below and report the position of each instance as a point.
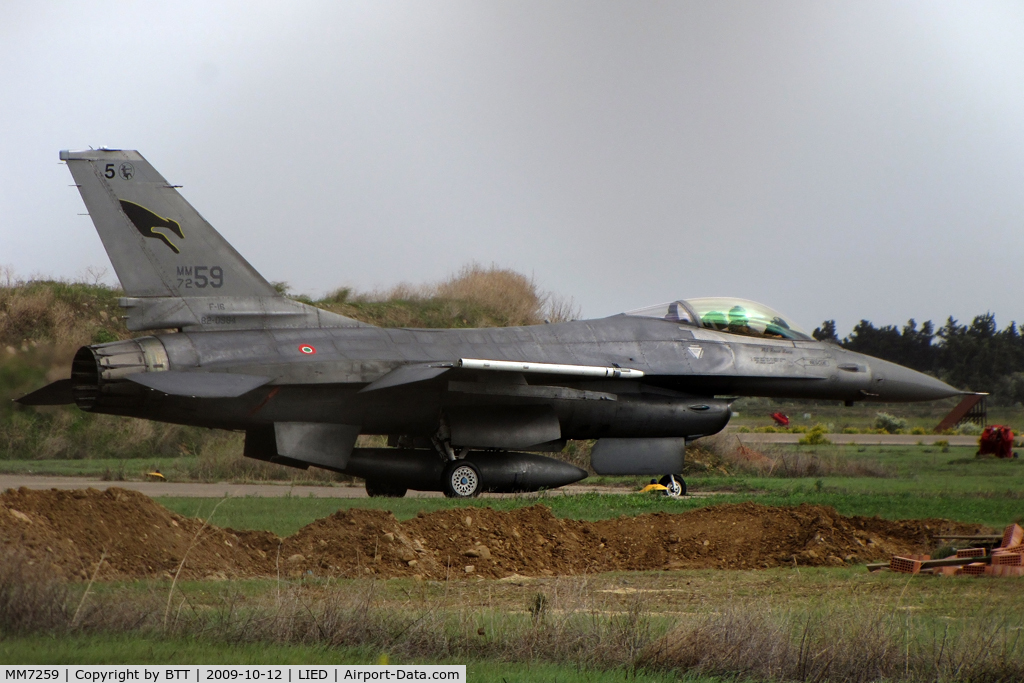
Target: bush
(890, 424)
(724, 454)
(31, 600)
(851, 430)
(815, 436)
(969, 429)
(919, 431)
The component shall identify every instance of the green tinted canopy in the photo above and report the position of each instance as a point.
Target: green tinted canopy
(726, 314)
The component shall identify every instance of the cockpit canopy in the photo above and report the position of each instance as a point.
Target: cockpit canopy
(736, 316)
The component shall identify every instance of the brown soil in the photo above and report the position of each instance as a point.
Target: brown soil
(137, 538)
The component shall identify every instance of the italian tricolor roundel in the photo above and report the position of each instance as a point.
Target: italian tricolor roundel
(307, 349)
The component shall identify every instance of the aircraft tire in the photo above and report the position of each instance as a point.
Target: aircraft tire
(379, 489)
(461, 479)
(675, 484)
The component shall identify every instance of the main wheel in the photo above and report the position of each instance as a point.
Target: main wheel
(675, 484)
(380, 489)
(461, 479)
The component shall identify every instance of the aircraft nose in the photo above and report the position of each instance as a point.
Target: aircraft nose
(892, 382)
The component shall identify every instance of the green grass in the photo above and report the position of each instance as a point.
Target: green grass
(925, 483)
(285, 516)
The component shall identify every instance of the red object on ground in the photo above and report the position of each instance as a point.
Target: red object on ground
(996, 440)
(781, 419)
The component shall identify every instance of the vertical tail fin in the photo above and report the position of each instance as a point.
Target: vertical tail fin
(176, 270)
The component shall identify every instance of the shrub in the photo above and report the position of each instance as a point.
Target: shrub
(30, 600)
(919, 431)
(476, 296)
(851, 430)
(968, 429)
(943, 445)
(815, 436)
(890, 424)
(725, 454)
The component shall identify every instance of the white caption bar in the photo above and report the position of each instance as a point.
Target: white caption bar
(181, 673)
(548, 368)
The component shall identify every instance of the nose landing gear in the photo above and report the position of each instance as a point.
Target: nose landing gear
(675, 485)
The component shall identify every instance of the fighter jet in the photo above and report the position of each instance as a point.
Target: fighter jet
(464, 410)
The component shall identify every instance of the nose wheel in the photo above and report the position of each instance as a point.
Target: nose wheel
(675, 485)
(461, 479)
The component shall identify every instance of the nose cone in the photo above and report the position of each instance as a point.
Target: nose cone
(895, 383)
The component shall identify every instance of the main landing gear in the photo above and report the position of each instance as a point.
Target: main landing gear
(461, 479)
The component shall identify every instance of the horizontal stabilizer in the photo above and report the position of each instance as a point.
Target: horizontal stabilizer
(199, 384)
(55, 394)
(408, 374)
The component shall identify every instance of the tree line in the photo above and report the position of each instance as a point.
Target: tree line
(976, 357)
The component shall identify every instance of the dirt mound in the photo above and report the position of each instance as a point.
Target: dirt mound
(136, 537)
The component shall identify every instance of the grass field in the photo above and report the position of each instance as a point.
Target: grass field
(605, 627)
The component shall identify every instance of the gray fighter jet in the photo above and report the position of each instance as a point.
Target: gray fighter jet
(465, 410)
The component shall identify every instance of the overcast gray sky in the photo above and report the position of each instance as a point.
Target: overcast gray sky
(833, 160)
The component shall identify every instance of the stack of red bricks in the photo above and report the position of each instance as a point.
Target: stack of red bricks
(1007, 560)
